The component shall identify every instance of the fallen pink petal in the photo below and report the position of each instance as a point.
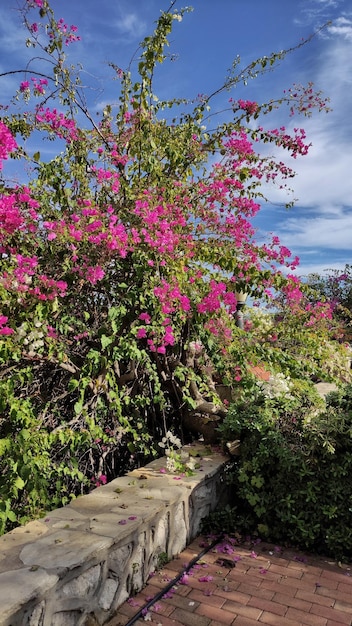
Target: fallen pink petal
(207, 592)
(205, 579)
(184, 580)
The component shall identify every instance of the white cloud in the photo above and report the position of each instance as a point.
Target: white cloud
(130, 25)
(318, 268)
(321, 223)
(11, 31)
(331, 232)
(341, 27)
(324, 176)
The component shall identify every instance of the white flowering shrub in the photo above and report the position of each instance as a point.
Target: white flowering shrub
(277, 385)
(261, 320)
(177, 460)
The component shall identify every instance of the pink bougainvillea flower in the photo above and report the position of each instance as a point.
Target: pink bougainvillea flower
(122, 522)
(51, 332)
(7, 143)
(24, 85)
(94, 274)
(132, 518)
(6, 331)
(145, 317)
(205, 579)
(184, 580)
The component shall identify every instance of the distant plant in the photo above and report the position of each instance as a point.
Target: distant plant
(303, 341)
(335, 287)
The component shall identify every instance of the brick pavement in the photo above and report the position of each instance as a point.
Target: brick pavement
(256, 583)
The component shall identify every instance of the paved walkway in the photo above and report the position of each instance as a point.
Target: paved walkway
(243, 585)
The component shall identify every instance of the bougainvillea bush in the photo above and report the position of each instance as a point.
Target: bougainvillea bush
(121, 259)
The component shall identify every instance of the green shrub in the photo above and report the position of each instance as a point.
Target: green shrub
(292, 481)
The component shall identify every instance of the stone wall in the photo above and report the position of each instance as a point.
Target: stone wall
(78, 564)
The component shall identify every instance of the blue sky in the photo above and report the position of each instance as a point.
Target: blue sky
(319, 228)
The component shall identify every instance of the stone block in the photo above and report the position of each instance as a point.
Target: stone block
(83, 585)
(19, 587)
(64, 549)
(108, 593)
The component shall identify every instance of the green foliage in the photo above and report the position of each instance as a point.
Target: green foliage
(220, 521)
(163, 559)
(292, 480)
(38, 469)
(121, 255)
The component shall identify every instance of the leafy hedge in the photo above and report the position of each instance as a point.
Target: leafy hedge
(293, 478)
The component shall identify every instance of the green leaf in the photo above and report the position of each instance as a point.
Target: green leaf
(106, 341)
(78, 408)
(19, 483)
(73, 384)
(4, 446)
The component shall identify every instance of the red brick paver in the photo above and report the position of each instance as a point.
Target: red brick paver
(253, 584)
